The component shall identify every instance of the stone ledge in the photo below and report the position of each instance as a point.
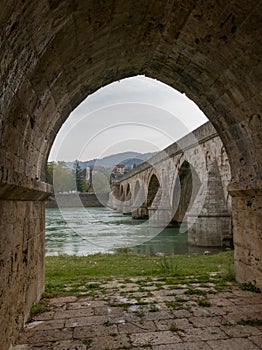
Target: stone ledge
(34, 191)
(245, 190)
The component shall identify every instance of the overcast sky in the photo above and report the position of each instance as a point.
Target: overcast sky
(135, 114)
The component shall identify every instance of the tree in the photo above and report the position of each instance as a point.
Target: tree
(79, 177)
(63, 180)
(85, 185)
(100, 182)
(50, 172)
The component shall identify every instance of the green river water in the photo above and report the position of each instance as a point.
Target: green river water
(85, 231)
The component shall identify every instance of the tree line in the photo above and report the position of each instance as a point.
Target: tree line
(64, 179)
(74, 180)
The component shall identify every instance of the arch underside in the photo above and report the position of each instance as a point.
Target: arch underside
(55, 53)
(153, 188)
(50, 64)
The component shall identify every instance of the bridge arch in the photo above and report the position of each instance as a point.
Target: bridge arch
(128, 190)
(139, 194)
(51, 63)
(153, 188)
(186, 186)
(121, 193)
(137, 187)
(127, 203)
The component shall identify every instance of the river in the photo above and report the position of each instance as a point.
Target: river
(85, 231)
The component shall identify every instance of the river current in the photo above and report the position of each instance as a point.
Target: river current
(85, 231)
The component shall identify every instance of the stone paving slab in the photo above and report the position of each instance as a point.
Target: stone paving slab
(233, 344)
(165, 319)
(199, 345)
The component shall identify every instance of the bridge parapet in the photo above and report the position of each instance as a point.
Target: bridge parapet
(202, 134)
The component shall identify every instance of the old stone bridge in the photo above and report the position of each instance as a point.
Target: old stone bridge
(185, 184)
(55, 53)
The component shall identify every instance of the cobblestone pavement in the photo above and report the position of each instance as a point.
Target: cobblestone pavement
(148, 313)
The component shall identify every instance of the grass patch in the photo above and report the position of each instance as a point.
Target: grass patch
(250, 322)
(125, 306)
(195, 291)
(37, 309)
(180, 300)
(173, 328)
(87, 341)
(204, 302)
(139, 313)
(153, 308)
(167, 265)
(66, 275)
(250, 287)
(173, 305)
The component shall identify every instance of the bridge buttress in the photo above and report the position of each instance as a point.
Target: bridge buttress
(209, 221)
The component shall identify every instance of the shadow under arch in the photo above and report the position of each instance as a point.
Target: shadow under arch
(153, 188)
(187, 185)
(121, 192)
(137, 187)
(127, 204)
(128, 190)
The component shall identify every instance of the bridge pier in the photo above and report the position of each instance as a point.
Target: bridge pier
(159, 217)
(112, 201)
(160, 212)
(247, 232)
(119, 204)
(22, 251)
(139, 212)
(208, 221)
(139, 208)
(126, 209)
(209, 230)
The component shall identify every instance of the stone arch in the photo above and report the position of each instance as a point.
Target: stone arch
(48, 88)
(51, 63)
(126, 209)
(137, 187)
(223, 156)
(128, 190)
(153, 187)
(121, 191)
(184, 192)
(139, 209)
(208, 159)
(136, 192)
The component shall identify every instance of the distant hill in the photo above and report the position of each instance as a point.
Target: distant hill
(128, 158)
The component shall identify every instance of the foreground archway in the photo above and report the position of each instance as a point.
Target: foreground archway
(54, 54)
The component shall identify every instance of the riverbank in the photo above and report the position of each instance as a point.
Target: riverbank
(69, 274)
(77, 200)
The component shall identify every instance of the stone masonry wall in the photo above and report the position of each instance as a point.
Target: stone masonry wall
(247, 218)
(21, 263)
(55, 53)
